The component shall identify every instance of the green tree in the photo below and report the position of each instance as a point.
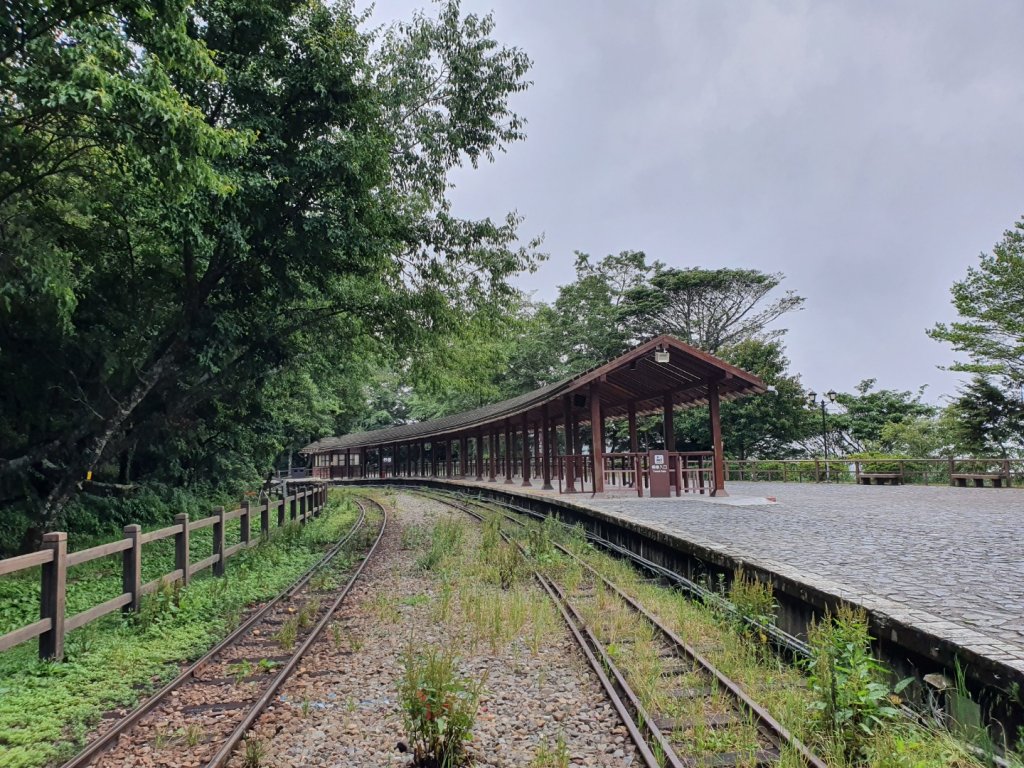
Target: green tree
(990, 302)
(710, 309)
(986, 421)
(200, 236)
(869, 412)
(763, 426)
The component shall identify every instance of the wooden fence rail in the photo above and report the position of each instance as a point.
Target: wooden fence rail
(928, 471)
(54, 560)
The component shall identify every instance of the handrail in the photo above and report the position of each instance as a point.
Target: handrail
(911, 470)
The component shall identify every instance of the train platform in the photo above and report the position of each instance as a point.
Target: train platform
(947, 563)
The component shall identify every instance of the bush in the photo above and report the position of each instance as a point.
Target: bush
(852, 694)
(755, 602)
(438, 708)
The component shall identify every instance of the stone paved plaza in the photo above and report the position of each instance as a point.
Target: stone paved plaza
(947, 560)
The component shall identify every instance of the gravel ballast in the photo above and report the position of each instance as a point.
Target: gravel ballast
(341, 708)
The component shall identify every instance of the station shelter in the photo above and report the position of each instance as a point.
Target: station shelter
(538, 437)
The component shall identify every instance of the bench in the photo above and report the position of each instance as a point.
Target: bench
(880, 478)
(978, 479)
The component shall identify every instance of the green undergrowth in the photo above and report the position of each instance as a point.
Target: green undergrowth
(46, 709)
(860, 730)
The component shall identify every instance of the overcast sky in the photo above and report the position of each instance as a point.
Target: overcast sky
(868, 150)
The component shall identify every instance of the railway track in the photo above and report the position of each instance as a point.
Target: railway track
(694, 715)
(202, 715)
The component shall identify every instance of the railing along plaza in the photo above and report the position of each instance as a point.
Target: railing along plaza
(927, 471)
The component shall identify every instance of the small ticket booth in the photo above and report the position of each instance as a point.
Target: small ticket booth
(659, 475)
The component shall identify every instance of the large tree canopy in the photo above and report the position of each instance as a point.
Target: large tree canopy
(210, 213)
(708, 308)
(990, 302)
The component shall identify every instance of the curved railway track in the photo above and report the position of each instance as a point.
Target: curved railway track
(204, 713)
(719, 711)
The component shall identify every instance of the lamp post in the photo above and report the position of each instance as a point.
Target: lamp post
(813, 401)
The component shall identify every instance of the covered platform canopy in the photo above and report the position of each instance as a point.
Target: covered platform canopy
(654, 377)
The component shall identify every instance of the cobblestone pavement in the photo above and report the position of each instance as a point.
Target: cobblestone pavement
(947, 560)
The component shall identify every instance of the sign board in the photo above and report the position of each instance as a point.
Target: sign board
(658, 474)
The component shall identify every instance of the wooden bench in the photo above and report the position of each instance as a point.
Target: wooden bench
(880, 478)
(978, 479)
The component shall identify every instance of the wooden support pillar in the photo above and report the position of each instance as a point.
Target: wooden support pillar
(53, 595)
(182, 548)
(492, 457)
(479, 453)
(670, 428)
(245, 523)
(717, 448)
(509, 458)
(464, 456)
(570, 468)
(526, 451)
(545, 422)
(131, 563)
(634, 442)
(536, 449)
(597, 437)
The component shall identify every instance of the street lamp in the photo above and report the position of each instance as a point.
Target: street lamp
(812, 401)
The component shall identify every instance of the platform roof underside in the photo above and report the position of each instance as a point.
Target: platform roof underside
(632, 377)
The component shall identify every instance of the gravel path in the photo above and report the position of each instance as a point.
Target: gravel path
(342, 709)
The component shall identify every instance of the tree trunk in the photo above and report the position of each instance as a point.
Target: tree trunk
(87, 459)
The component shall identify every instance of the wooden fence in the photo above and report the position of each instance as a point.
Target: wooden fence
(55, 560)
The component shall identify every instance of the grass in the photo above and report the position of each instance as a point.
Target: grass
(737, 652)
(46, 709)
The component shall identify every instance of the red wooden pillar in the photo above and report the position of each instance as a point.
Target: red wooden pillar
(670, 429)
(718, 449)
(464, 456)
(508, 452)
(545, 422)
(492, 457)
(536, 449)
(570, 469)
(634, 442)
(526, 451)
(597, 437)
(479, 453)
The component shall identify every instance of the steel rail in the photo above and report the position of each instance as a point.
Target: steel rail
(650, 759)
(236, 736)
(768, 725)
(103, 742)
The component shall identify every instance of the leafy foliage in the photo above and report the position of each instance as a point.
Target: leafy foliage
(438, 707)
(708, 308)
(213, 219)
(990, 302)
(853, 697)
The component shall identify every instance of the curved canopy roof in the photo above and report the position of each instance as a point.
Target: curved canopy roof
(632, 377)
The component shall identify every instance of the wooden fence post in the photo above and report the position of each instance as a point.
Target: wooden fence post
(54, 596)
(265, 518)
(245, 522)
(293, 506)
(181, 548)
(131, 567)
(218, 541)
(281, 510)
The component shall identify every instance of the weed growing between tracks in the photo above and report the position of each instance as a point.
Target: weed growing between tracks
(47, 708)
(726, 640)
